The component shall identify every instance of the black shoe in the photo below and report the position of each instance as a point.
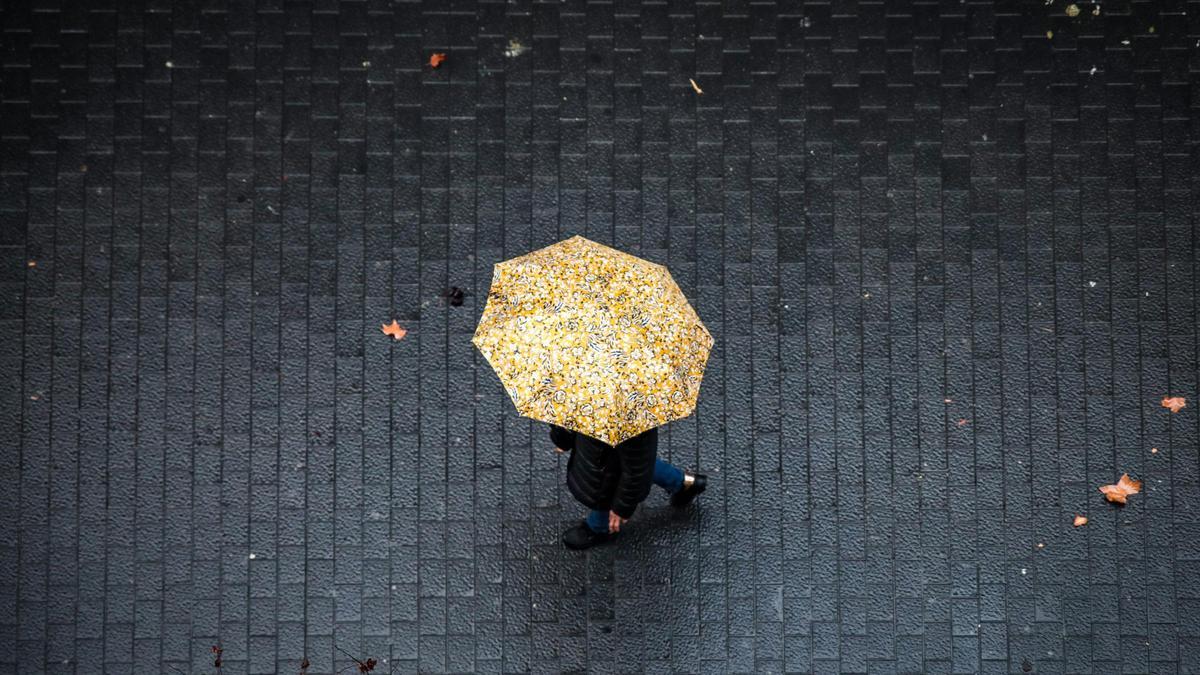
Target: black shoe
(583, 537)
(691, 489)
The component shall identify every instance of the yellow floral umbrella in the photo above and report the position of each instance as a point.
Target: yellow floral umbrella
(593, 339)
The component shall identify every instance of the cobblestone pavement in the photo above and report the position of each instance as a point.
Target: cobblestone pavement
(947, 251)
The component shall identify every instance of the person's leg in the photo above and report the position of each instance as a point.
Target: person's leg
(592, 531)
(598, 521)
(667, 476)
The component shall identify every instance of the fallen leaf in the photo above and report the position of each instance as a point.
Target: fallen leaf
(32, 263)
(1049, 35)
(393, 329)
(695, 86)
(947, 400)
(1072, 10)
(1175, 403)
(454, 295)
(1080, 520)
(436, 59)
(962, 422)
(515, 48)
(1041, 545)
(1154, 451)
(1117, 492)
(1096, 10)
(217, 653)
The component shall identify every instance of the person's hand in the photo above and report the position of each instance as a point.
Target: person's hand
(615, 522)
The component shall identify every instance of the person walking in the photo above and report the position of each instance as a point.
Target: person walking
(604, 347)
(612, 481)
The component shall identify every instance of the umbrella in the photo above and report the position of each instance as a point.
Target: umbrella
(593, 339)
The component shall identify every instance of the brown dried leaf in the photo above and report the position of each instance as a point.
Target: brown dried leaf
(695, 86)
(436, 59)
(1175, 403)
(1117, 492)
(1080, 521)
(393, 329)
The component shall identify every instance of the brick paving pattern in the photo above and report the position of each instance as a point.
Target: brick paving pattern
(947, 250)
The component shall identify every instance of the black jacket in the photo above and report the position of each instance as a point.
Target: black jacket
(608, 478)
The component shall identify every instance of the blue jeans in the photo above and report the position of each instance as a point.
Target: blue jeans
(666, 475)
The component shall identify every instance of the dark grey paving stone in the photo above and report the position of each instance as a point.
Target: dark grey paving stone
(948, 252)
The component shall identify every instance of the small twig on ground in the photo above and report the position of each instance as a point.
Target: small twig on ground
(363, 666)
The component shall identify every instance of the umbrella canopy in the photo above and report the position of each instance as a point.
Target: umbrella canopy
(593, 339)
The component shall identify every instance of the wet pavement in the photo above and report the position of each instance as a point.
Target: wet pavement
(947, 251)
